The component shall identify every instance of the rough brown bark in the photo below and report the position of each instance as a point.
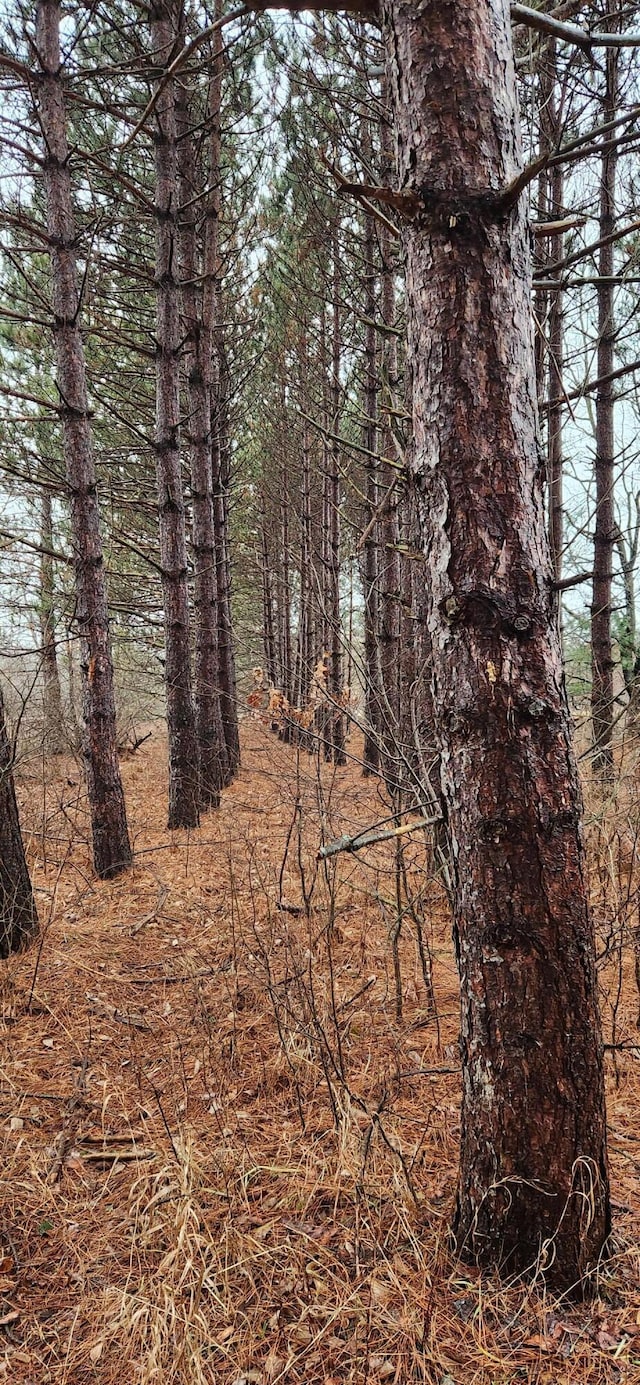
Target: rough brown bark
(533, 1186)
(183, 745)
(111, 847)
(18, 914)
(211, 743)
(602, 661)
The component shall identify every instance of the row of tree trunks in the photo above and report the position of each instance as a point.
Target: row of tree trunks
(533, 1186)
(111, 847)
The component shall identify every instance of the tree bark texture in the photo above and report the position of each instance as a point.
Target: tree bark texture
(111, 847)
(183, 745)
(602, 660)
(211, 743)
(533, 1188)
(18, 914)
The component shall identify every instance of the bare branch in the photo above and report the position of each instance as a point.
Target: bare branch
(571, 33)
(370, 838)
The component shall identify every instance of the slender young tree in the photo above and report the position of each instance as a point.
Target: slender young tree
(184, 777)
(551, 132)
(219, 386)
(370, 563)
(18, 914)
(336, 737)
(111, 847)
(602, 660)
(211, 742)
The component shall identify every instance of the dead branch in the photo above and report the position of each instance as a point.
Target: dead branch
(371, 838)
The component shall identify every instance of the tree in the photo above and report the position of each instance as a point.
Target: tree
(211, 742)
(533, 1117)
(602, 660)
(18, 914)
(533, 1146)
(111, 847)
(184, 779)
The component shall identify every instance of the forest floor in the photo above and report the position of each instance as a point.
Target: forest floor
(227, 1156)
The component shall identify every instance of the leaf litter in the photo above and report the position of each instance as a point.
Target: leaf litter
(254, 1137)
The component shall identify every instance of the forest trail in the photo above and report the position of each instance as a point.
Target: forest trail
(226, 1156)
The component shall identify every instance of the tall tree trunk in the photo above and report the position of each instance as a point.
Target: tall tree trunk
(370, 565)
(304, 651)
(602, 661)
(533, 1186)
(627, 546)
(389, 557)
(18, 914)
(111, 847)
(53, 738)
(268, 623)
(221, 514)
(284, 603)
(334, 679)
(183, 745)
(552, 133)
(219, 402)
(211, 743)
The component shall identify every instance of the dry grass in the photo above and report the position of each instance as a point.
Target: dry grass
(225, 1156)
